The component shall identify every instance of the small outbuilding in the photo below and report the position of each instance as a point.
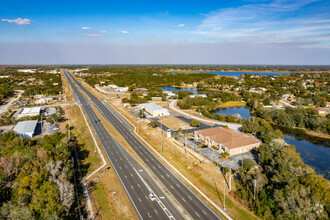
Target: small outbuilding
(26, 129)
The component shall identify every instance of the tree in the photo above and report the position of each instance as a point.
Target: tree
(248, 164)
(153, 124)
(195, 123)
(224, 155)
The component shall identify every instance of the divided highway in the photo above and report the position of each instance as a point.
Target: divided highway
(135, 180)
(189, 200)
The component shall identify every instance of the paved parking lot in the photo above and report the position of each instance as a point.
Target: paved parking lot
(234, 162)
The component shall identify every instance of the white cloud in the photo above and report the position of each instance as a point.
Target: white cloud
(124, 32)
(86, 28)
(274, 22)
(18, 21)
(103, 31)
(180, 25)
(94, 35)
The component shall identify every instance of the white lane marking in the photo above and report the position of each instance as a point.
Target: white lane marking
(157, 199)
(177, 185)
(156, 211)
(204, 212)
(197, 214)
(162, 176)
(132, 187)
(167, 175)
(131, 174)
(125, 176)
(139, 185)
(183, 199)
(171, 186)
(149, 215)
(139, 199)
(189, 197)
(120, 168)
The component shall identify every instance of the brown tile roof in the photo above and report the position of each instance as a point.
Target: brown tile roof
(228, 137)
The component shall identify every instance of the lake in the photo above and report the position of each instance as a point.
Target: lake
(229, 73)
(242, 111)
(170, 89)
(315, 156)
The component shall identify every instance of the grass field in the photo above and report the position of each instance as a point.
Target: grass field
(231, 104)
(174, 124)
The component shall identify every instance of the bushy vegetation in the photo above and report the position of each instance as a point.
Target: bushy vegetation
(35, 178)
(286, 188)
(195, 123)
(32, 83)
(262, 129)
(296, 117)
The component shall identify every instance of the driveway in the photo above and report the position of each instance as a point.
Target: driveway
(6, 105)
(230, 125)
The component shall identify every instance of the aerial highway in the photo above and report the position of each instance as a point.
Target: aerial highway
(188, 199)
(147, 198)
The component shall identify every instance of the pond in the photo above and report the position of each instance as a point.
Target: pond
(229, 73)
(242, 111)
(314, 155)
(170, 89)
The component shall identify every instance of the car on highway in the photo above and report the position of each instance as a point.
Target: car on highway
(152, 196)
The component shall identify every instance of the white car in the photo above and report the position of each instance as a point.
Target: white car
(152, 196)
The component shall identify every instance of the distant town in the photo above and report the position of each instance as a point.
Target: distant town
(93, 134)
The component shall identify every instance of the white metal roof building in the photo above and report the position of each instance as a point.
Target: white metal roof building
(26, 128)
(29, 112)
(154, 110)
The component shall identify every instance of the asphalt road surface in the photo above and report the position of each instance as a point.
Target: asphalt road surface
(136, 182)
(191, 202)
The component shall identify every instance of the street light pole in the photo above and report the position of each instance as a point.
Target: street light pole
(224, 195)
(254, 190)
(229, 179)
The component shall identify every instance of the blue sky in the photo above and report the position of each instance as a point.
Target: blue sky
(165, 32)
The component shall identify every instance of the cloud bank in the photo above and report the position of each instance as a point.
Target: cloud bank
(18, 21)
(268, 22)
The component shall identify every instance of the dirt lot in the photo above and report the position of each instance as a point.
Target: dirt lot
(174, 124)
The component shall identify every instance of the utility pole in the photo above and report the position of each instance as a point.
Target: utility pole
(229, 179)
(254, 190)
(69, 129)
(161, 125)
(224, 195)
(185, 146)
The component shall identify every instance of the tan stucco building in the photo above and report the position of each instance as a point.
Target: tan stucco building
(227, 140)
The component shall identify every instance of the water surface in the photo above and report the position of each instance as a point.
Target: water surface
(242, 111)
(315, 156)
(235, 73)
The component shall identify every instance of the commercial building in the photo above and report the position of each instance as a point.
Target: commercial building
(140, 90)
(154, 110)
(227, 140)
(26, 129)
(29, 112)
